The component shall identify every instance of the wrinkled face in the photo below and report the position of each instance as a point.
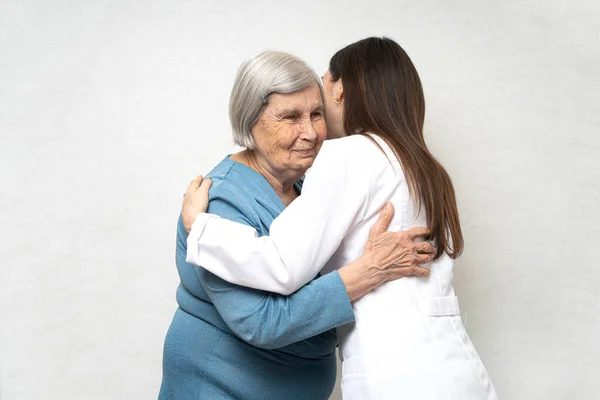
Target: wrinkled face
(334, 106)
(291, 130)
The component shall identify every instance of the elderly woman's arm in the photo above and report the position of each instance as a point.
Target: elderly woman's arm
(306, 235)
(269, 320)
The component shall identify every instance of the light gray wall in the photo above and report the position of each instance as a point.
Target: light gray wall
(109, 108)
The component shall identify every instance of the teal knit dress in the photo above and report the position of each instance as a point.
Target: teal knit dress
(233, 342)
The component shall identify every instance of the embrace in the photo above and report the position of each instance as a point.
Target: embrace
(277, 268)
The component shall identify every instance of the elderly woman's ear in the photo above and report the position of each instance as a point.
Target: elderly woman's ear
(195, 201)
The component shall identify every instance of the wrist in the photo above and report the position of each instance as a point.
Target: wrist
(369, 268)
(189, 218)
(361, 276)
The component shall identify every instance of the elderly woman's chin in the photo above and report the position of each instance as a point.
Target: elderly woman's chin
(303, 159)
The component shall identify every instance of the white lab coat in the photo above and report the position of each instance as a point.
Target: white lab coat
(408, 340)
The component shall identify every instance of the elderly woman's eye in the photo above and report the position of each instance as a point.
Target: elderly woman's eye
(317, 114)
(291, 117)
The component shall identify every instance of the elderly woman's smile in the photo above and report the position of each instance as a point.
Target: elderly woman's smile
(291, 130)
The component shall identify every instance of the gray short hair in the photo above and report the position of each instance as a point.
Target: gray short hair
(264, 74)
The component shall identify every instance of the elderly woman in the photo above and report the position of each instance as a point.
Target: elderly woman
(408, 341)
(232, 342)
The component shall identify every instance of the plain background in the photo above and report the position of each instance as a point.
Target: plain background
(109, 108)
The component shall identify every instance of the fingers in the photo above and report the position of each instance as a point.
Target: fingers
(421, 272)
(384, 219)
(423, 258)
(194, 184)
(424, 248)
(403, 272)
(416, 270)
(206, 183)
(204, 186)
(418, 232)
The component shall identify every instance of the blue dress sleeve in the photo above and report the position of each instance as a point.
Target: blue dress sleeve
(270, 320)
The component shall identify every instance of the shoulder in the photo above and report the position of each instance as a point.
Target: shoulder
(352, 146)
(225, 182)
(348, 142)
(227, 197)
(227, 201)
(356, 153)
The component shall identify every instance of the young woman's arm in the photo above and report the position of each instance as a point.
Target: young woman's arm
(306, 234)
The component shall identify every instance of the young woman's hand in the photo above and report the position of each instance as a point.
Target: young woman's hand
(195, 201)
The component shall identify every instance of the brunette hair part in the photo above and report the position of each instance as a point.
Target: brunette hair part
(383, 95)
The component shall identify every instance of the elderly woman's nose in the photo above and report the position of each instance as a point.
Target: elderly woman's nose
(308, 129)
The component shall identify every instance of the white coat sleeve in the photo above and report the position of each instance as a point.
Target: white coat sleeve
(301, 239)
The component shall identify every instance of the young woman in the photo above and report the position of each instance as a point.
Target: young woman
(408, 339)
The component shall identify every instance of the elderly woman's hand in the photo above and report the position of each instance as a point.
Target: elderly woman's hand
(388, 256)
(395, 253)
(195, 201)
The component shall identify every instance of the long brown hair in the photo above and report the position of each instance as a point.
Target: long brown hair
(383, 95)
